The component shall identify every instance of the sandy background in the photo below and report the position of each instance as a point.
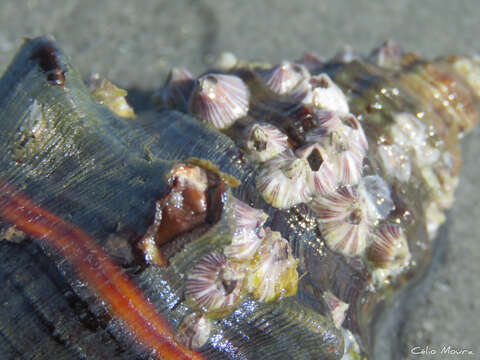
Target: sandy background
(134, 43)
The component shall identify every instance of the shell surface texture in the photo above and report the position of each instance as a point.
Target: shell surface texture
(261, 212)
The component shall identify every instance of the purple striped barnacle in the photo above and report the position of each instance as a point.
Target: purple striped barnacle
(344, 220)
(215, 285)
(322, 177)
(219, 99)
(389, 248)
(283, 78)
(345, 139)
(248, 234)
(194, 330)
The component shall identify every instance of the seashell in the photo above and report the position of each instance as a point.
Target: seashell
(219, 99)
(167, 238)
(111, 96)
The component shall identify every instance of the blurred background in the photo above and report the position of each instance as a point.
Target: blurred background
(135, 43)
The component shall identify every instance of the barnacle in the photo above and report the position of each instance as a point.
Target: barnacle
(263, 212)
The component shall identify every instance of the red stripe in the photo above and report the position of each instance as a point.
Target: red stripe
(93, 265)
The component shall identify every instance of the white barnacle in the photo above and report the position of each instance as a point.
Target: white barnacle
(220, 99)
(375, 194)
(282, 181)
(272, 274)
(327, 95)
(264, 141)
(338, 308)
(396, 161)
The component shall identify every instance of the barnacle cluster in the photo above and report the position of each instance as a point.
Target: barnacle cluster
(305, 136)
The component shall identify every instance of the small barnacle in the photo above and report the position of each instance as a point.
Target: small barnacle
(272, 274)
(215, 285)
(389, 248)
(282, 181)
(395, 161)
(338, 308)
(322, 173)
(248, 233)
(219, 99)
(264, 141)
(388, 55)
(345, 140)
(177, 89)
(194, 330)
(327, 95)
(283, 78)
(375, 193)
(408, 130)
(110, 95)
(344, 221)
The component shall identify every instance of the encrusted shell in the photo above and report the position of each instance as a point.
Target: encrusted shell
(267, 216)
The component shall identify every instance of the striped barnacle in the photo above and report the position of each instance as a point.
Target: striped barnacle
(283, 78)
(322, 177)
(343, 220)
(194, 330)
(283, 181)
(100, 177)
(389, 248)
(265, 141)
(344, 138)
(248, 234)
(219, 99)
(215, 285)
